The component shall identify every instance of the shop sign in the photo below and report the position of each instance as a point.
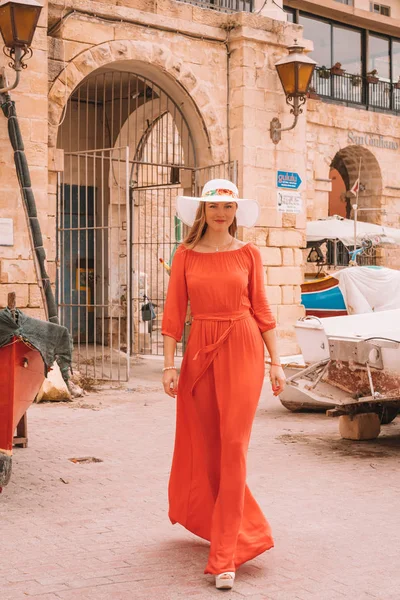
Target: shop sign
(288, 180)
(368, 139)
(6, 232)
(289, 202)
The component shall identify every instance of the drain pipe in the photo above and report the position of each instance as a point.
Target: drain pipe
(228, 91)
(28, 198)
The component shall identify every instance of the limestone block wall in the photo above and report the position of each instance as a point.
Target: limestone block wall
(256, 98)
(17, 271)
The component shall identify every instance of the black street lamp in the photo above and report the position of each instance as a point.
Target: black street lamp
(295, 73)
(18, 21)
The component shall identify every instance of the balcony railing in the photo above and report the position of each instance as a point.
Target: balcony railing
(370, 92)
(341, 256)
(227, 6)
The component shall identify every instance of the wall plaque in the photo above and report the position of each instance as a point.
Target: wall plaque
(289, 202)
(6, 232)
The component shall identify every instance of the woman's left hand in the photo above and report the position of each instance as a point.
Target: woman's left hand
(278, 379)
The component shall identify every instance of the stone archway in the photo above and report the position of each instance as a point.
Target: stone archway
(94, 189)
(351, 161)
(157, 62)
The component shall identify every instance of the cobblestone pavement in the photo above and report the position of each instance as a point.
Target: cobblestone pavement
(100, 531)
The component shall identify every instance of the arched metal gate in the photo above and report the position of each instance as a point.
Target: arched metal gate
(128, 154)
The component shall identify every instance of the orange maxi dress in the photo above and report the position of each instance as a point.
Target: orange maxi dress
(219, 387)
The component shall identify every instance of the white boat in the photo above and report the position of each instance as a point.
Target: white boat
(313, 334)
(351, 364)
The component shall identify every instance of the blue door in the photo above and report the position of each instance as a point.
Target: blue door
(76, 296)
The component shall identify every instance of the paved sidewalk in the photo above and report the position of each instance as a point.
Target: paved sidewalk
(100, 531)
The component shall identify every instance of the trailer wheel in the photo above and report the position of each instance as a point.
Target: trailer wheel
(387, 414)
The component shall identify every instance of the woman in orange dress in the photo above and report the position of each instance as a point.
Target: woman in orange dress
(221, 376)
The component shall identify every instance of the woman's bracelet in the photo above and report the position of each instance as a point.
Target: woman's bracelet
(275, 364)
(169, 368)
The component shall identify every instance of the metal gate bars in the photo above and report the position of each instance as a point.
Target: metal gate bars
(93, 273)
(117, 234)
(156, 234)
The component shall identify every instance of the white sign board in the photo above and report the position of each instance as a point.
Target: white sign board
(6, 232)
(289, 202)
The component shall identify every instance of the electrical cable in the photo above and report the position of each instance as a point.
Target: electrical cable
(263, 6)
(122, 21)
(384, 339)
(64, 110)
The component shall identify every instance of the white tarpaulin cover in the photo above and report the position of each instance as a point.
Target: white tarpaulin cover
(369, 289)
(337, 228)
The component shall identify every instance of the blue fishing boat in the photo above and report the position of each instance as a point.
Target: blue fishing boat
(322, 297)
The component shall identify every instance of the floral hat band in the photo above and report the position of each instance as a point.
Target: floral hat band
(220, 192)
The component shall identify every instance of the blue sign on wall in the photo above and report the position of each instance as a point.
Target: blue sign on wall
(288, 180)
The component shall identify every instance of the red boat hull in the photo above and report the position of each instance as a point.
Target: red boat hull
(322, 314)
(21, 377)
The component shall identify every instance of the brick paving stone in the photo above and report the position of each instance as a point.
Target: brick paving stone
(46, 597)
(105, 535)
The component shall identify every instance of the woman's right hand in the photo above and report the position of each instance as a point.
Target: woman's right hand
(170, 382)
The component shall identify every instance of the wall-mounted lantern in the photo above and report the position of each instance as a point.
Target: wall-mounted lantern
(295, 72)
(18, 21)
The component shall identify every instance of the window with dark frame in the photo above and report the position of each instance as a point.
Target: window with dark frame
(379, 56)
(346, 71)
(227, 6)
(380, 9)
(291, 14)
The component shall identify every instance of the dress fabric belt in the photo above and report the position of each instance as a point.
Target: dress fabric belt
(212, 349)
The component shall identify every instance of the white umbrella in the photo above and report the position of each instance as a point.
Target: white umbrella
(337, 228)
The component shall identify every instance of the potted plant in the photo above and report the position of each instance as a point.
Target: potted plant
(356, 80)
(337, 69)
(312, 93)
(372, 76)
(324, 73)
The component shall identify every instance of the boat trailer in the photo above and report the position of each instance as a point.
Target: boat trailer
(359, 378)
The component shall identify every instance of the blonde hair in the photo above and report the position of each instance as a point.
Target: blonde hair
(199, 227)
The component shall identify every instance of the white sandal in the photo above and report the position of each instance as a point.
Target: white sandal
(225, 581)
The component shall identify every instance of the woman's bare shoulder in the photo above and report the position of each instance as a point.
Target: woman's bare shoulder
(239, 244)
(249, 246)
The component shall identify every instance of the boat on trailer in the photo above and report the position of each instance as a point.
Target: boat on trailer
(351, 366)
(28, 348)
(21, 377)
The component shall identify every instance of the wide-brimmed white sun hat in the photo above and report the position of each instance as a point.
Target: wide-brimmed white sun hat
(218, 190)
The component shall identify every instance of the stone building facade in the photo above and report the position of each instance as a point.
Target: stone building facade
(106, 81)
(353, 122)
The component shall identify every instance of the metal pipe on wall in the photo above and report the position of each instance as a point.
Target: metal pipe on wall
(29, 203)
